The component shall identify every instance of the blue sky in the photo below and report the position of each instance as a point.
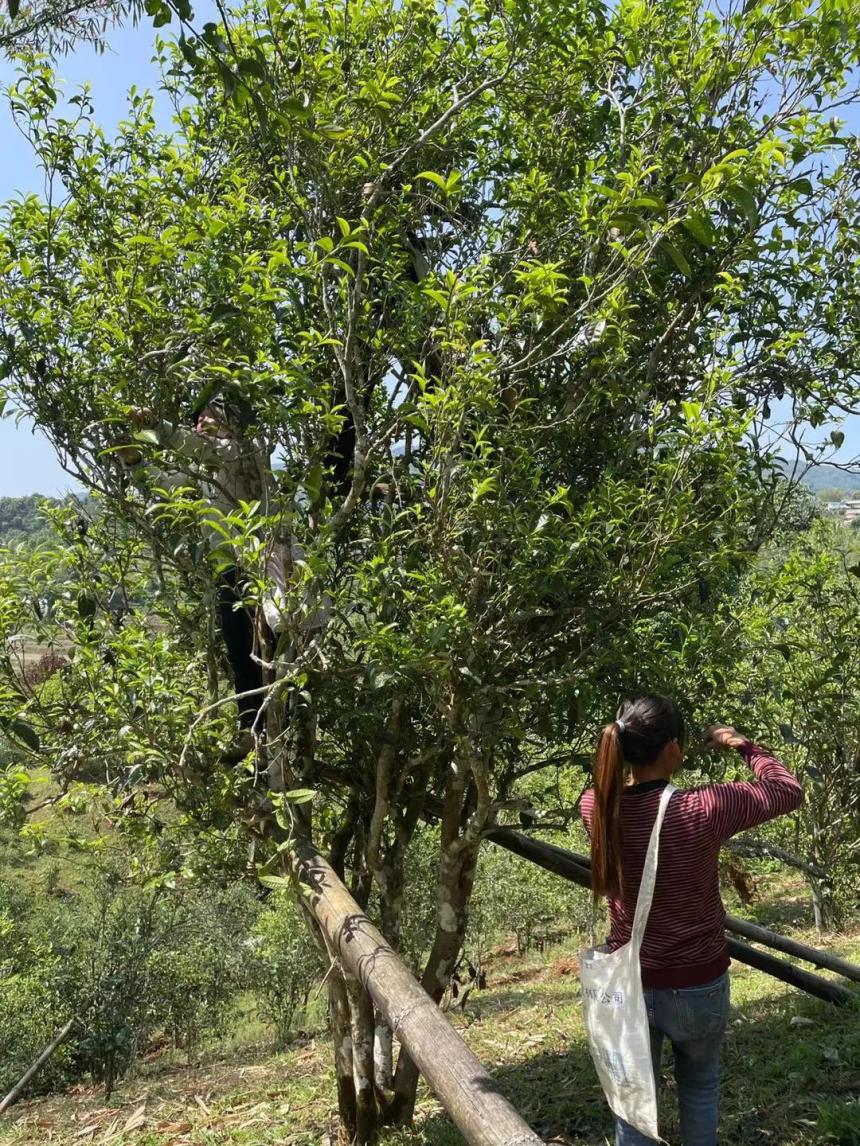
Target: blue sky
(27, 461)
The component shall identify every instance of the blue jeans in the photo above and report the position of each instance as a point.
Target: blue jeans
(694, 1020)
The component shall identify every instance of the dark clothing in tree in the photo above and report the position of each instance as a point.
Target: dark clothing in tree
(237, 628)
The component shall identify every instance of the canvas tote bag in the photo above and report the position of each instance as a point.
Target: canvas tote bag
(615, 1017)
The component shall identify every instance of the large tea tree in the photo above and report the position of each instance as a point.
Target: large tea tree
(507, 293)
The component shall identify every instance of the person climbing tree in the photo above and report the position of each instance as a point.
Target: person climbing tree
(684, 959)
(229, 466)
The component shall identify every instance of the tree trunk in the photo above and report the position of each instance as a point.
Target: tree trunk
(461, 1083)
(341, 1035)
(383, 1055)
(362, 1027)
(456, 878)
(821, 908)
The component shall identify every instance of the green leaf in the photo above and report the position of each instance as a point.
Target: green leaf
(161, 13)
(299, 795)
(184, 10)
(228, 77)
(87, 605)
(14, 5)
(252, 67)
(837, 437)
(149, 436)
(222, 310)
(345, 229)
(745, 200)
(652, 202)
(188, 51)
(603, 189)
(700, 228)
(433, 177)
(275, 882)
(677, 257)
(289, 109)
(25, 733)
(340, 263)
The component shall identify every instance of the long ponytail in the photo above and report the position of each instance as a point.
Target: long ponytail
(607, 876)
(640, 732)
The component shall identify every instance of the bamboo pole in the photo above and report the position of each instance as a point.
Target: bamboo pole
(577, 868)
(459, 1080)
(788, 973)
(799, 950)
(16, 1091)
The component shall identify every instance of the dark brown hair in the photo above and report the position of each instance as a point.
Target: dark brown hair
(640, 732)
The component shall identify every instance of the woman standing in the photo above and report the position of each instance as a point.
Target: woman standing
(684, 959)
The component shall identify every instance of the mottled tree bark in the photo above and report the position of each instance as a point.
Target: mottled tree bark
(362, 1028)
(383, 1056)
(341, 1035)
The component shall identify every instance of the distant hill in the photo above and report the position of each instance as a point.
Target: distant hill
(826, 477)
(20, 519)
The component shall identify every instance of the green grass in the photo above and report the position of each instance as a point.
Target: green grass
(792, 1075)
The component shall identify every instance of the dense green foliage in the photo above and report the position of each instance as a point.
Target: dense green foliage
(139, 962)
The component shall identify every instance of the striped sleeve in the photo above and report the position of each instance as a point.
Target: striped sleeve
(734, 807)
(586, 809)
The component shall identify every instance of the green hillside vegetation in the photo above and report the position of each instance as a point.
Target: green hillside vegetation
(792, 1066)
(22, 519)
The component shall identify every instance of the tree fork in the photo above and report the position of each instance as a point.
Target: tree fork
(459, 1080)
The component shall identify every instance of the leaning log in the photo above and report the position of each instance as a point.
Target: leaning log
(18, 1089)
(457, 1078)
(577, 868)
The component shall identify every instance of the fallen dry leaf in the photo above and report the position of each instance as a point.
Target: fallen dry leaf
(136, 1120)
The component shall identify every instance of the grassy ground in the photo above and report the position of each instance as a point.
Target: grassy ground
(792, 1074)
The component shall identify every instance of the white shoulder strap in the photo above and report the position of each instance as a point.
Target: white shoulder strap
(649, 872)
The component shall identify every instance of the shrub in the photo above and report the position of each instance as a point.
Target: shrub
(33, 1002)
(287, 964)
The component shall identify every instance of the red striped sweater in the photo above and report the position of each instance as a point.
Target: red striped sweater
(685, 943)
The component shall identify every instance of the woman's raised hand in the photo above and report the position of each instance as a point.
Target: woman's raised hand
(724, 736)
